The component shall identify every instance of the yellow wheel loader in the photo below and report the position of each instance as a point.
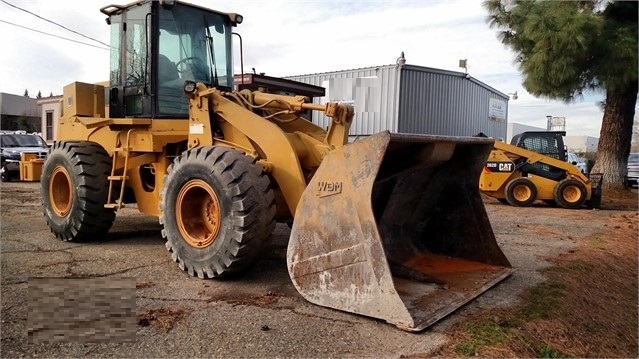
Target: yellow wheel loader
(534, 167)
(391, 226)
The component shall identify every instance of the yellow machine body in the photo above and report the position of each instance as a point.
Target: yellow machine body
(510, 175)
(391, 226)
(30, 167)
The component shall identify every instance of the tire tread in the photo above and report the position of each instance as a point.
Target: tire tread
(90, 166)
(252, 211)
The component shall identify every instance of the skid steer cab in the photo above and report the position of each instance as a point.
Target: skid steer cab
(390, 226)
(534, 167)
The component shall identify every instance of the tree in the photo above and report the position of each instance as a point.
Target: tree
(39, 95)
(565, 48)
(26, 93)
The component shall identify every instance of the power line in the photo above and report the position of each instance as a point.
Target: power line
(53, 22)
(60, 37)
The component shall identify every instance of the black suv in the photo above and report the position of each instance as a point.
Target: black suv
(12, 145)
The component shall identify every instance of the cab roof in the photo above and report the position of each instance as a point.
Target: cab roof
(113, 9)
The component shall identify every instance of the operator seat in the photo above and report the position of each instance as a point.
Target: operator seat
(167, 70)
(170, 93)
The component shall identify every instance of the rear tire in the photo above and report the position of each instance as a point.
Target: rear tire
(521, 192)
(74, 188)
(218, 211)
(570, 193)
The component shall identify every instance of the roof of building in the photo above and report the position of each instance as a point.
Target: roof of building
(414, 68)
(50, 99)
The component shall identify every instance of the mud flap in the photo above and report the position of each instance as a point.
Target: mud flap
(393, 227)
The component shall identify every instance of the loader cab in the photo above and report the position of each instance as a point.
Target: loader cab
(547, 143)
(158, 45)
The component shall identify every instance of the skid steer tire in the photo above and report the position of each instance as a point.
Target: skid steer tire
(218, 211)
(521, 192)
(570, 193)
(74, 188)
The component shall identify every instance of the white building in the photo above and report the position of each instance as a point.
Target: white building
(514, 128)
(51, 110)
(581, 144)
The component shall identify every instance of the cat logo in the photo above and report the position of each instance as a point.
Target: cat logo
(500, 166)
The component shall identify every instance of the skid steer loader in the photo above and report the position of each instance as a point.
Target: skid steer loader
(391, 226)
(534, 167)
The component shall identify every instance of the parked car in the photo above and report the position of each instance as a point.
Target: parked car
(632, 178)
(579, 162)
(12, 145)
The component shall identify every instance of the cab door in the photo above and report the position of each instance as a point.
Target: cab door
(130, 77)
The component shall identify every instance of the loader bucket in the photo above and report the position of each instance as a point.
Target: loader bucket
(393, 227)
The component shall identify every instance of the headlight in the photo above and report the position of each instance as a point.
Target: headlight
(189, 86)
(12, 155)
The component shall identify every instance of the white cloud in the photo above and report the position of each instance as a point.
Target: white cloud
(39, 62)
(284, 38)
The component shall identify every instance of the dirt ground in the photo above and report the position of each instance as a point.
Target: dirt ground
(585, 307)
(573, 292)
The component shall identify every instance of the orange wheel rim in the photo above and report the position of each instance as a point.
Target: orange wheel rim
(572, 194)
(198, 213)
(60, 191)
(522, 193)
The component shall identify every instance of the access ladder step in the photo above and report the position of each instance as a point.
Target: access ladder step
(117, 178)
(114, 205)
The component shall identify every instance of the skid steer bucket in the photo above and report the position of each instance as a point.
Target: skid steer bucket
(393, 227)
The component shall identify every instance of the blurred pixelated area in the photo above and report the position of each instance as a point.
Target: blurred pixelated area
(63, 310)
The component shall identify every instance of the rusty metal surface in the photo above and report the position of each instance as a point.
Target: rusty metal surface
(393, 227)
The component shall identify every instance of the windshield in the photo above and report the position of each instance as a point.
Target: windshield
(22, 141)
(193, 45)
(198, 43)
(633, 158)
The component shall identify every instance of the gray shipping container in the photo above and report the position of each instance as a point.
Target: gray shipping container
(413, 99)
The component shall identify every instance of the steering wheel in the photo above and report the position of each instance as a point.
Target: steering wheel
(191, 63)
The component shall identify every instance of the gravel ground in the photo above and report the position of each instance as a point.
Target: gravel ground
(258, 315)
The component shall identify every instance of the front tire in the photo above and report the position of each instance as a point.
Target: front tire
(570, 193)
(218, 211)
(74, 188)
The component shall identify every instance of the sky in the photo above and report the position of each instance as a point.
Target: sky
(287, 38)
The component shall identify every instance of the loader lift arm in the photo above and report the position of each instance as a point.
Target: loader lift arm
(520, 176)
(282, 151)
(526, 157)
